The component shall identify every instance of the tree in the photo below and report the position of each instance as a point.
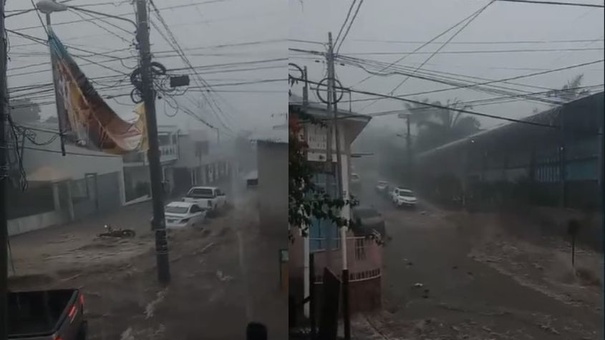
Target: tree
(24, 110)
(441, 123)
(571, 91)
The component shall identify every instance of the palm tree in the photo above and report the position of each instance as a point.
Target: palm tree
(571, 91)
(441, 123)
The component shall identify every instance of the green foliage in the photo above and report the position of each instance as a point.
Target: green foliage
(570, 91)
(439, 126)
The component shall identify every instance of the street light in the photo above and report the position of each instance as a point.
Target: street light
(49, 6)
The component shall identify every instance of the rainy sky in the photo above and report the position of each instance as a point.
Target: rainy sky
(233, 45)
(505, 40)
(240, 48)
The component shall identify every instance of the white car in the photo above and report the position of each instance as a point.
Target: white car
(382, 186)
(403, 197)
(210, 198)
(184, 214)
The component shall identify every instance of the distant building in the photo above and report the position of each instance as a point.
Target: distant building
(136, 166)
(560, 165)
(200, 161)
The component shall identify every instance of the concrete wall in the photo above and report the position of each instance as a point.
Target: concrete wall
(35, 222)
(273, 186)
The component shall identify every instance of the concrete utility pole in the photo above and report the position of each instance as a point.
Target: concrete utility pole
(409, 151)
(153, 154)
(3, 180)
(339, 188)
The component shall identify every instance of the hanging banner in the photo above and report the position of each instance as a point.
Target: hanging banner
(85, 118)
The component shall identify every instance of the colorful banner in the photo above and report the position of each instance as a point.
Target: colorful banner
(86, 119)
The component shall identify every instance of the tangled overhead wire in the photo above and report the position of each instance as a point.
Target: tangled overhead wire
(14, 159)
(161, 83)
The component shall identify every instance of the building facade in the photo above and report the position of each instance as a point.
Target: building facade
(61, 188)
(364, 256)
(557, 161)
(200, 161)
(136, 166)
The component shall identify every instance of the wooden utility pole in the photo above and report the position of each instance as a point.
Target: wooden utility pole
(3, 179)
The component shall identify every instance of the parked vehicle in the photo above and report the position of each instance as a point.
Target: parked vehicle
(367, 221)
(184, 214)
(47, 315)
(382, 187)
(210, 198)
(355, 179)
(117, 232)
(402, 197)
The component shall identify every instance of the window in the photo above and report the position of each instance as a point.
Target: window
(360, 250)
(201, 193)
(172, 209)
(195, 209)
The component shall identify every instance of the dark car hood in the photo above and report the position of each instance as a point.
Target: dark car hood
(368, 225)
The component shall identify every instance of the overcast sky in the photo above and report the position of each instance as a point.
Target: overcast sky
(199, 26)
(382, 31)
(392, 27)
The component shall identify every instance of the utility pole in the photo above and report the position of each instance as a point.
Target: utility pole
(409, 152)
(3, 180)
(153, 154)
(339, 189)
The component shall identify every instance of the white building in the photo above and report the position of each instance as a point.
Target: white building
(136, 166)
(60, 188)
(201, 161)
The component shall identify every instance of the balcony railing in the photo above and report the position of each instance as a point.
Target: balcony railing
(364, 259)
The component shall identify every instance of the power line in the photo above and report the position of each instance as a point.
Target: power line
(508, 42)
(468, 22)
(179, 51)
(67, 152)
(346, 19)
(349, 27)
(423, 45)
(480, 114)
(445, 43)
(484, 51)
(447, 80)
(129, 14)
(510, 78)
(558, 3)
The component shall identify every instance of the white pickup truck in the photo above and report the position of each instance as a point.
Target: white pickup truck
(210, 198)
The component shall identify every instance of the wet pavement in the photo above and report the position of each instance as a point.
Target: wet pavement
(436, 287)
(220, 278)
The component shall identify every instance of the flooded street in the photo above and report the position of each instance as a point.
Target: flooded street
(449, 275)
(213, 270)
